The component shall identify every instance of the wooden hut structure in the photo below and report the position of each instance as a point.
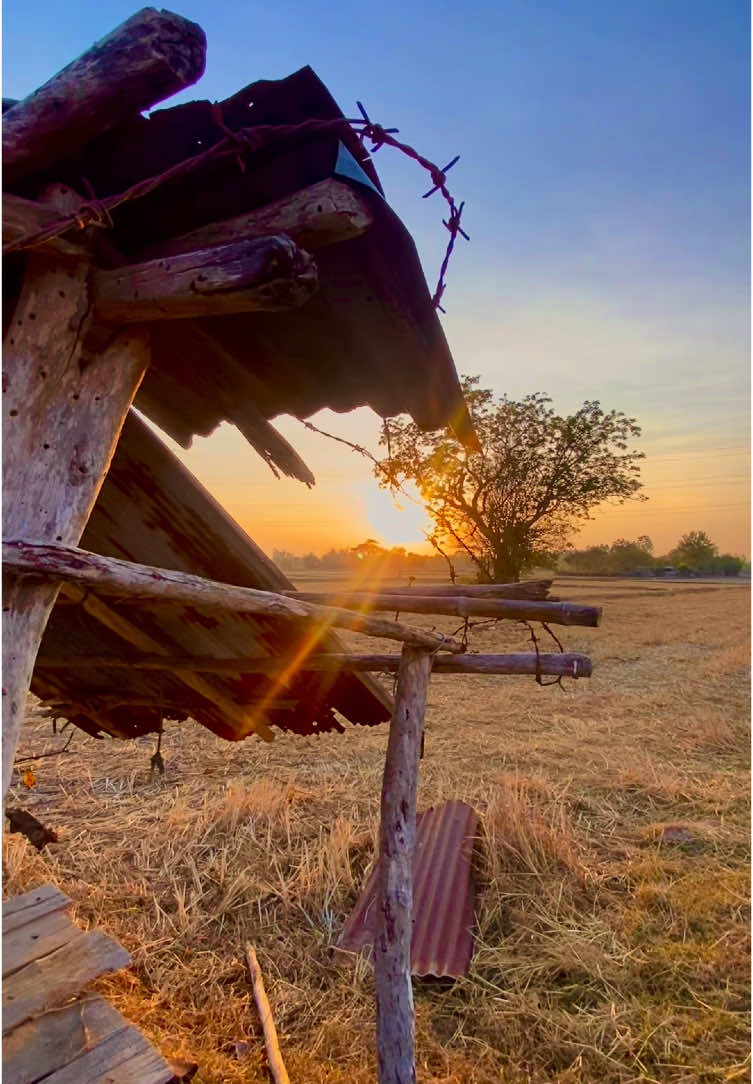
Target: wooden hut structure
(210, 262)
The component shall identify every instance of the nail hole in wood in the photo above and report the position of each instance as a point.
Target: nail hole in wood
(13, 413)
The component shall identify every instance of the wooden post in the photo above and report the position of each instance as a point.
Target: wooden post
(61, 421)
(397, 838)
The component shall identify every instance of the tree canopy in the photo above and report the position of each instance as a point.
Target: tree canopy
(695, 549)
(538, 475)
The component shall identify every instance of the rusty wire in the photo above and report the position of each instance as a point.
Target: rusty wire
(97, 212)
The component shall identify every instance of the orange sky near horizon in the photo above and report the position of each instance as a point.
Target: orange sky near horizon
(698, 482)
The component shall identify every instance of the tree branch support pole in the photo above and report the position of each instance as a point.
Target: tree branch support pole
(397, 838)
(62, 415)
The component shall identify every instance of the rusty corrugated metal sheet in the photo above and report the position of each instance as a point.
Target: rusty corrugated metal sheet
(443, 895)
(152, 510)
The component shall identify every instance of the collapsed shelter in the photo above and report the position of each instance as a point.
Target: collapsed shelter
(249, 266)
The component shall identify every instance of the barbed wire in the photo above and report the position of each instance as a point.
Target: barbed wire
(97, 212)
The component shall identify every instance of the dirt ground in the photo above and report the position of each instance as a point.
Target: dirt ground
(613, 918)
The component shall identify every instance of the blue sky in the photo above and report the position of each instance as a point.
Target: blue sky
(604, 159)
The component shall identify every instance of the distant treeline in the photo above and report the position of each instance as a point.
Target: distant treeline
(694, 553)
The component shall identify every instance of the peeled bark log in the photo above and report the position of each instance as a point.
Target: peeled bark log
(266, 274)
(394, 898)
(147, 58)
(567, 664)
(555, 613)
(111, 576)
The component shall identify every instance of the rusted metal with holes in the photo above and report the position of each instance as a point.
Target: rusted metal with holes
(443, 895)
(152, 510)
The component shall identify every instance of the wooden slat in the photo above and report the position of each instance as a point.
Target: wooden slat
(23, 217)
(45, 983)
(25, 908)
(53, 1040)
(127, 1057)
(36, 939)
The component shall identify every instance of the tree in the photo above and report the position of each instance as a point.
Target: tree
(537, 476)
(694, 550)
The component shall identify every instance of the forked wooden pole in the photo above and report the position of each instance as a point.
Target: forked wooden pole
(397, 839)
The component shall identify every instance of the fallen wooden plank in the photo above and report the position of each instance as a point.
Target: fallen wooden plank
(145, 59)
(46, 983)
(125, 1057)
(56, 1038)
(109, 575)
(321, 214)
(566, 664)
(40, 901)
(262, 274)
(37, 939)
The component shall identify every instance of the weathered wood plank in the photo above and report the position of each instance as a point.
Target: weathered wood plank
(321, 214)
(108, 575)
(394, 898)
(36, 939)
(40, 901)
(568, 664)
(60, 425)
(56, 1038)
(48, 982)
(126, 1056)
(147, 58)
(266, 273)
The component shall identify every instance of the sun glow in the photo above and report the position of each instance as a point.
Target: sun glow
(396, 520)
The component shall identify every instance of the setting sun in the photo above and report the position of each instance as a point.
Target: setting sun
(396, 520)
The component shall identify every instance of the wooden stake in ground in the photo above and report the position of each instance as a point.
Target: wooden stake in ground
(274, 1057)
(397, 839)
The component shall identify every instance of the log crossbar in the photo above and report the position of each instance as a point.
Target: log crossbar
(111, 576)
(554, 613)
(566, 664)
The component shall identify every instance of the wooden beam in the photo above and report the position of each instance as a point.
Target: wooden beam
(147, 58)
(60, 426)
(566, 664)
(554, 613)
(322, 214)
(109, 575)
(246, 721)
(24, 217)
(265, 274)
(525, 589)
(394, 896)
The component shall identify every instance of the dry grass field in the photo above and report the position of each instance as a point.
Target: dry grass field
(613, 915)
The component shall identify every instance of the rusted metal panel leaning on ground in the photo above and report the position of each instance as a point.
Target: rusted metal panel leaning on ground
(443, 895)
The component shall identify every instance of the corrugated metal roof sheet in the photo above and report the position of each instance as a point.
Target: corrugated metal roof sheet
(152, 510)
(443, 894)
(368, 336)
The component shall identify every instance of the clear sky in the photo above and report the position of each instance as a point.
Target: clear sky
(605, 162)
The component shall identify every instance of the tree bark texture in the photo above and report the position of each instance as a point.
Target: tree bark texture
(397, 840)
(61, 421)
(147, 58)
